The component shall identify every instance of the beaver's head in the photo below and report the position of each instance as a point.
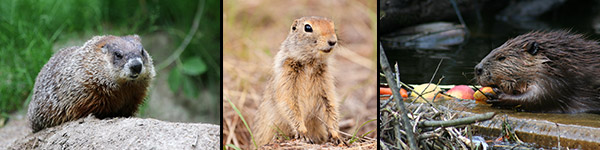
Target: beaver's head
(516, 64)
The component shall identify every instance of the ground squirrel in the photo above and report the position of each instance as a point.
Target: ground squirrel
(300, 97)
(108, 77)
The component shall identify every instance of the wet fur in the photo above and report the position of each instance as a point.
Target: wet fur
(562, 77)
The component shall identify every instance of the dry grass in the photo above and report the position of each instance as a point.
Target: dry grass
(253, 32)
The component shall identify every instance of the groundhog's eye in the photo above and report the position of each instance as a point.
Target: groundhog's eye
(501, 58)
(118, 55)
(307, 28)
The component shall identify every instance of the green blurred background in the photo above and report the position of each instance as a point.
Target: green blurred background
(183, 37)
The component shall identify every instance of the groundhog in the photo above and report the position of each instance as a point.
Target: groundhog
(299, 99)
(106, 77)
(556, 71)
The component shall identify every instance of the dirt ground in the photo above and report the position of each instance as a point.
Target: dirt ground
(116, 133)
(252, 33)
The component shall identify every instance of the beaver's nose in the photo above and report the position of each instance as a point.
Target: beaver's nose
(478, 69)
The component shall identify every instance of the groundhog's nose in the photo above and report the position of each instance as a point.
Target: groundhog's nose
(331, 43)
(478, 69)
(135, 68)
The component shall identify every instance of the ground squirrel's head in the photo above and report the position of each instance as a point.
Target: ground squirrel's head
(126, 58)
(315, 35)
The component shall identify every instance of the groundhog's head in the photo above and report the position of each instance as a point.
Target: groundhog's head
(312, 35)
(126, 58)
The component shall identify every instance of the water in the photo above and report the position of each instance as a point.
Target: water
(418, 66)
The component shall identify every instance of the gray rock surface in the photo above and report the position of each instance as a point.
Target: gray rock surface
(120, 133)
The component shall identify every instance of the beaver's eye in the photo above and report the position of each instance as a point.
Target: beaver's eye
(501, 58)
(532, 48)
(118, 55)
(307, 28)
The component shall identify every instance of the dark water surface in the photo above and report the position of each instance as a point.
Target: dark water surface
(418, 65)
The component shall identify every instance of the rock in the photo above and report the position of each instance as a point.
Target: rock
(122, 133)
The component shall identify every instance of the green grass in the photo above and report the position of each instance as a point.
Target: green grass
(232, 146)
(354, 137)
(30, 29)
(243, 120)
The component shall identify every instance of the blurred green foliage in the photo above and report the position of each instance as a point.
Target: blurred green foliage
(30, 28)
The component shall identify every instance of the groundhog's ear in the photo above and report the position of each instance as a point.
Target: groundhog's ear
(132, 38)
(102, 45)
(531, 47)
(294, 25)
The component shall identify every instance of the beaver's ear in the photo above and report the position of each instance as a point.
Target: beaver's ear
(531, 47)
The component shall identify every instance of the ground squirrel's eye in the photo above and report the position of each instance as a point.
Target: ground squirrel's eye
(118, 55)
(307, 28)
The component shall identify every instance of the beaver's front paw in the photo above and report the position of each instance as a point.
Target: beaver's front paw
(503, 100)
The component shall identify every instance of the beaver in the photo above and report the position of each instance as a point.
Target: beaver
(107, 77)
(544, 71)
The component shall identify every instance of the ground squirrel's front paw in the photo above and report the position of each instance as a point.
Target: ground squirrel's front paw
(302, 129)
(336, 139)
(302, 135)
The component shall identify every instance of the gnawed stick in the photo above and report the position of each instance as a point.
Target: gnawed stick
(459, 121)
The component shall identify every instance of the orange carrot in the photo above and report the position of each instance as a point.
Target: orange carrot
(385, 91)
(403, 93)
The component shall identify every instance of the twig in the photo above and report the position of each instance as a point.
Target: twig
(462, 22)
(460, 121)
(385, 65)
(558, 128)
(187, 39)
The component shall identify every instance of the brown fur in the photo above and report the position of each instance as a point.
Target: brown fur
(561, 76)
(79, 81)
(300, 98)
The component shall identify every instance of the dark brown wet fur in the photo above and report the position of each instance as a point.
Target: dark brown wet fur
(555, 71)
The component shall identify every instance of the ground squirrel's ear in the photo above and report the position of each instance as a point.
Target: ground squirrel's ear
(294, 25)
